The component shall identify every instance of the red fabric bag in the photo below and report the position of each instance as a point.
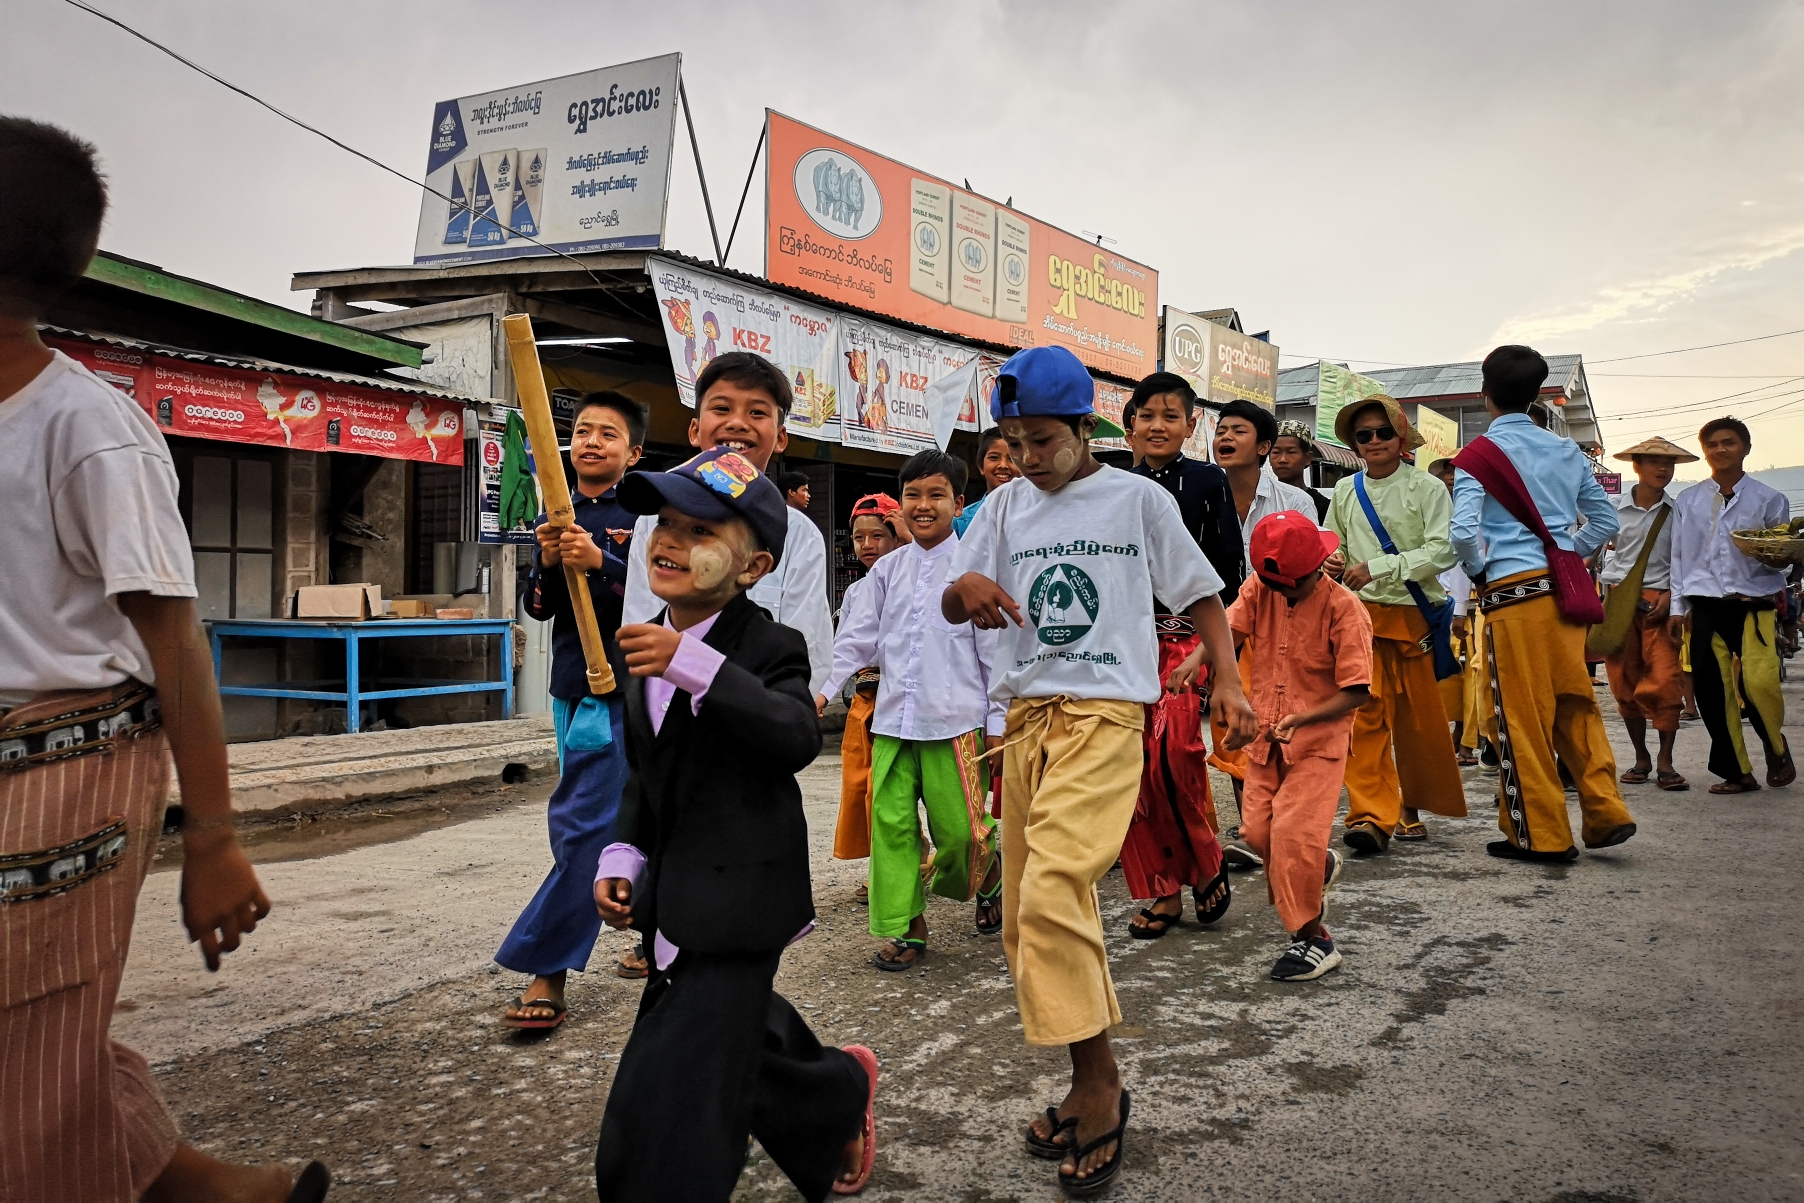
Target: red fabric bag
(1573, 590)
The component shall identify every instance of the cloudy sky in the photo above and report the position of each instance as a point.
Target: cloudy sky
(1399, 183)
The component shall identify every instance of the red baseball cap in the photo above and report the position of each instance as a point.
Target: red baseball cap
(1288, 547)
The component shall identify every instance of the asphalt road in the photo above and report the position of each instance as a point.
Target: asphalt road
(1625, 1028)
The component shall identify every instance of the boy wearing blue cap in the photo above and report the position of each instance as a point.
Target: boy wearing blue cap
(713, 865)
(1065, 563)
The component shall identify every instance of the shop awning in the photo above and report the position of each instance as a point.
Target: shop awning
(253, 401)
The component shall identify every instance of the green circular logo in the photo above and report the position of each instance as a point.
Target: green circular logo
(1062, 604)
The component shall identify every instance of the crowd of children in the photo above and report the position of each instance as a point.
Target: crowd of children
(1084, 633)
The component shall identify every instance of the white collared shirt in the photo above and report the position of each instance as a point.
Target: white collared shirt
(1636, 522)
(1705, 563)
(936, 676)
(1273, 497)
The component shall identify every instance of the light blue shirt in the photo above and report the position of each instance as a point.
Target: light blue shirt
(963, 522)
(1494, 545)
(1705, 563)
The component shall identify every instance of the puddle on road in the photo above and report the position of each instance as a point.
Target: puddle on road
(379, 821)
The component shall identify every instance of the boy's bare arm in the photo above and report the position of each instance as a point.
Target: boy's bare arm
(1333, 708)
(1227, 703)
(221, 897)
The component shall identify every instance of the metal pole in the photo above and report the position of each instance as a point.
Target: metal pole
(746, 191)
(689, 118)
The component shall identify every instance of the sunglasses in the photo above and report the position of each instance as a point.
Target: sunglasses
(1383, 434)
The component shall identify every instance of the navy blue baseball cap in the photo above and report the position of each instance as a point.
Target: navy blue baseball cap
(714, 486)
(1047, 382)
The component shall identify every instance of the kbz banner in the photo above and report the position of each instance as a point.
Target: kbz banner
(275, 409)
(864, 230)
(573, 164)
(855, 382)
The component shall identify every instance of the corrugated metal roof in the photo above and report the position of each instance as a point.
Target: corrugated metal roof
(1297, 385)
(390, 383)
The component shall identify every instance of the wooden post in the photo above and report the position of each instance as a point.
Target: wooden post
(554, 491)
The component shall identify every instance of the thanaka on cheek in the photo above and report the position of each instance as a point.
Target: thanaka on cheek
(709, 565)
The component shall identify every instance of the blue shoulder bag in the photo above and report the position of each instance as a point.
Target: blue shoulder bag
(1439, 617)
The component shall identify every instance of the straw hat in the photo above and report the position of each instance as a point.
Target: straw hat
(1658, 446)
(1343, 421)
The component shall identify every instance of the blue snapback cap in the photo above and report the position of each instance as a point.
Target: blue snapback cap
(716, 485)
(1047, 382)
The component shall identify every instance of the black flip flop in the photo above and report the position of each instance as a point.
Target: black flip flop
(1156, 924)
(994, 902)
(312, 1185)
(888, 966)
(1049, 1149)
(1080, 1188)
(1213, 914)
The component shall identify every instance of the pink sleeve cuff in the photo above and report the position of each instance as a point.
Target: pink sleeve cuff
(621, 860)
(692, 669)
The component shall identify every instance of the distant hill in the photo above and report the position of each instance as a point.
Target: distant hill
(1789, 481)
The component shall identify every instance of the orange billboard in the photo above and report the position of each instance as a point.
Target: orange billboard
(853, 226)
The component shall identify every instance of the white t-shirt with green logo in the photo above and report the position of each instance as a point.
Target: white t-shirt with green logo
(1084, 564)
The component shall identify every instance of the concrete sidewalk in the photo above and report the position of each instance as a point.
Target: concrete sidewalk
(325, 771)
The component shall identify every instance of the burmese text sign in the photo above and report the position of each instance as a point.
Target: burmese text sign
(1336, 388)
(1222, 365)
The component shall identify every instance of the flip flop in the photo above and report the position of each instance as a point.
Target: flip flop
(868, 1060)
(1414, 833)
(312, 1185)
(1634, 777)
(634, 972)
(1156, 924)
(1782, 771)
(1050, 1148)
(1747, 785)
(1671, 782)
(993, 902)
(1213, 914)
(557, 1008)
(1080, 1188)
(901, 946)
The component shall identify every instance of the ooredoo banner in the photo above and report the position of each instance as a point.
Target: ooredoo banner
(276, 409)
(849, 224)
(578, 164)
(1222, 365)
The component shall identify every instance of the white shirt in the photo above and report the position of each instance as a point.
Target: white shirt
(1631, 535)
(1083, 565)
(88, 494)
(1704, 562)
(1273, 497)
(936, 676)
(795, 594)
(1459, 587)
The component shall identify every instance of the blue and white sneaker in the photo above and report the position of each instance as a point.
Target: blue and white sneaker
(1306, 960)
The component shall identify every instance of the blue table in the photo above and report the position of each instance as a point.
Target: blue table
(352, 634)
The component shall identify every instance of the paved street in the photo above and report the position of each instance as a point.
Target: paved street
(1626, 1028)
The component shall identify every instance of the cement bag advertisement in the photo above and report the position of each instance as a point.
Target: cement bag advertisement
(580, 163)
(886, 376)
(1222, 365)
(851, 225)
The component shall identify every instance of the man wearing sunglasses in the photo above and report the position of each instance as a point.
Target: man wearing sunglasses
(1392, 519)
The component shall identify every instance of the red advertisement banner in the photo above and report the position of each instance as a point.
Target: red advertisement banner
(275, 409)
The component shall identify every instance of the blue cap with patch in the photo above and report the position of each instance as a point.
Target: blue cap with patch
(714, 486)
(1047, 382)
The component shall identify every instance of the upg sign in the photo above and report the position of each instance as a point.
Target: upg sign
(1187, 349)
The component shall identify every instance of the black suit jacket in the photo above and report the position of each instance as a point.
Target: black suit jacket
(712, 798)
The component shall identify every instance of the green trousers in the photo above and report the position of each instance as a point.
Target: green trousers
(952, 778)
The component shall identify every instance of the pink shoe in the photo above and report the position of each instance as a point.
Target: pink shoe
(868, 1060)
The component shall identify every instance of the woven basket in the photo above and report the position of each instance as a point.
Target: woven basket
(1775, 551)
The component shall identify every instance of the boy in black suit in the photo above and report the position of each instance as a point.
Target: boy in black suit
(712, 867)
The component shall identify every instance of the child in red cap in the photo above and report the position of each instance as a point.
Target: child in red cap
(1314, 669)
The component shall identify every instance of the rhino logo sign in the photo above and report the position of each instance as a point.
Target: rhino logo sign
(838, 193)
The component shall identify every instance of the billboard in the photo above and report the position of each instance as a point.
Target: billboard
(848, 224)
(1222, 365)
(580, 163)
(1440, 436)
(856, 382)
(1335, 389)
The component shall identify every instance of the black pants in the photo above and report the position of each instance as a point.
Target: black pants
(1726, 618)
(716, 1054)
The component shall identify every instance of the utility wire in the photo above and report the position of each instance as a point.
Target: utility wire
(1734, 342)
(289, 117)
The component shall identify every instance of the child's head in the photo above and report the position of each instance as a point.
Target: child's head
(1726, 443)
(933, 492)
(1244, 434)
(1288, 551)
(795, 490)
(875, 528)
(741, 401)
(1044, 403)
(1442, 470)
(1164, 415)
(1292, 452)
(993, 463)
(721, 528)
(54, 192)
(1512, 378)
(606, 438)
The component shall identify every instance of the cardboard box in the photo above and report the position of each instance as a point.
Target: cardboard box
(336, 601)
(402, 607)
(456, 612)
